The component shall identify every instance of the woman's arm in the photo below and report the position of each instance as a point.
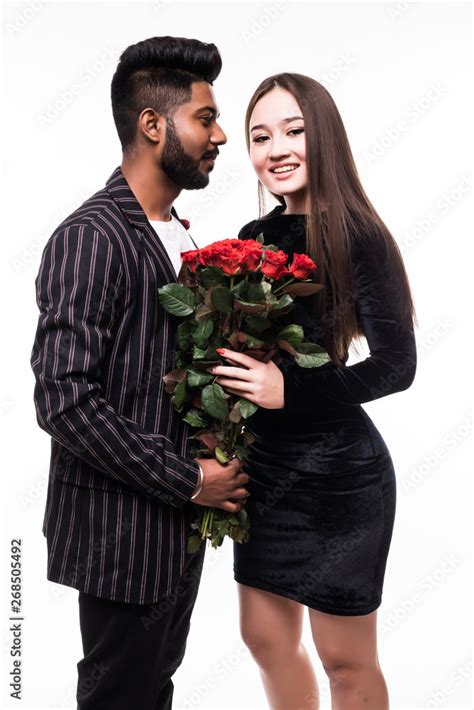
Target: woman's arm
(391, 365)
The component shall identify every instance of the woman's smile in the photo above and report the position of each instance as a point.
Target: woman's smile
(284, 170)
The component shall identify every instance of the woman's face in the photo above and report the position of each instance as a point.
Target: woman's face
(278, 145)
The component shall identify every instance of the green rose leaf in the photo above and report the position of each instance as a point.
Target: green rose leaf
(258, 323)
(240, 289)
(222, 299)
(179, 395)
(311, 355)
(211, 276)
(223, 526)
(195, 418)
(283, 302)
(198, 353)
(253, 342)
(243, 516)
(293, 333)
(241, 452)
(247, 408)
(194, 543)
(197, 378)
(177, 299)
(237, 533)
(213, 401)
(202, 333)
(183, 333)
(221, 455)
(302, 289)
(255, 293)
(249, 307)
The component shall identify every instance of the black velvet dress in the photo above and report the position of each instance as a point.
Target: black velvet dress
(322, 481)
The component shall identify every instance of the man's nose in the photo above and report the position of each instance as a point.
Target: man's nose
(218, 136)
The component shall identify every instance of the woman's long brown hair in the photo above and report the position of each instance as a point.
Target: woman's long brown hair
(338, 213)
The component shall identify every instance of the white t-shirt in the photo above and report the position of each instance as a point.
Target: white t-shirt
(175, 239)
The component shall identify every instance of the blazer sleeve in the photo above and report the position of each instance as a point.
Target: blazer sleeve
(391, 365)
(76, 292)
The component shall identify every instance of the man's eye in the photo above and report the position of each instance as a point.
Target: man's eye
(206, 119)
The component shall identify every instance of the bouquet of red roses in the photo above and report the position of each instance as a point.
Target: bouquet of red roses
(233, 293)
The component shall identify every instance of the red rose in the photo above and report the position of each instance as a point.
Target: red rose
(189, 257)
(229, 260)
(274, 264)
(301, 266)
(253, 254)
(226, 255)
(237, 256)
(205, 254)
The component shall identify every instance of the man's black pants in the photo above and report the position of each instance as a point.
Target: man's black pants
(132, 650)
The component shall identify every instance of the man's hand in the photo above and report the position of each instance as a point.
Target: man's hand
(222, 485)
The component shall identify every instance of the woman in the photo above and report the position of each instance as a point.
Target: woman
(322, 481)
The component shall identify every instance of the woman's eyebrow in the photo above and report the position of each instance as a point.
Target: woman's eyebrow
(284, 120)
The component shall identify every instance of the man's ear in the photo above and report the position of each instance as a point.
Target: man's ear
(150, 125)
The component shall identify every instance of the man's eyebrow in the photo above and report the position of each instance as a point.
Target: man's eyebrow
(211, 109)
(284, 120)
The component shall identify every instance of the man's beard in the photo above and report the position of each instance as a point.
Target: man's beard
(180, 167)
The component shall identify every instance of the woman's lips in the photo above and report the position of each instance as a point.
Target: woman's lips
(285, 174)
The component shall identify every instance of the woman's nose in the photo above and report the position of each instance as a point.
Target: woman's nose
(278, 154)
(278, 148)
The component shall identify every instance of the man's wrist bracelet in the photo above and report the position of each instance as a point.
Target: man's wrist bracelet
(199, 484)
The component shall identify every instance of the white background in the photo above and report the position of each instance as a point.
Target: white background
(399, 73)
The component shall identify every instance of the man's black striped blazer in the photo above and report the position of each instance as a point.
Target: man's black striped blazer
(117, 512)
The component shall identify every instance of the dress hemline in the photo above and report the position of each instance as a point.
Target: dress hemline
(306, 601)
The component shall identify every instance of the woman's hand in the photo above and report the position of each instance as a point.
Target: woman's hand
(260, 382)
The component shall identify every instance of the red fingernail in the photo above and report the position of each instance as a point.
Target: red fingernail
(221, 351)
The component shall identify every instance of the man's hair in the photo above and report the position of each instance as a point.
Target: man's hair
(158, 73)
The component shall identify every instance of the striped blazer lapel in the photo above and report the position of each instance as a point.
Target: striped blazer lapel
(120, 191)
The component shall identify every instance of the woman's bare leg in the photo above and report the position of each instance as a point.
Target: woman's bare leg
(347, 647)
(271, 627)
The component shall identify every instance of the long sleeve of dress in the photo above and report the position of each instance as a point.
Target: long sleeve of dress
(391, 365)
(76, 292)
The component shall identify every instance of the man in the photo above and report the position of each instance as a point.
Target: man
(117, 513)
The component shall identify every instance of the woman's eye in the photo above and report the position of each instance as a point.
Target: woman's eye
(294, 131)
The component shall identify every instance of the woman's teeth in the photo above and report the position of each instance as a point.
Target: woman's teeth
(284, 169)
